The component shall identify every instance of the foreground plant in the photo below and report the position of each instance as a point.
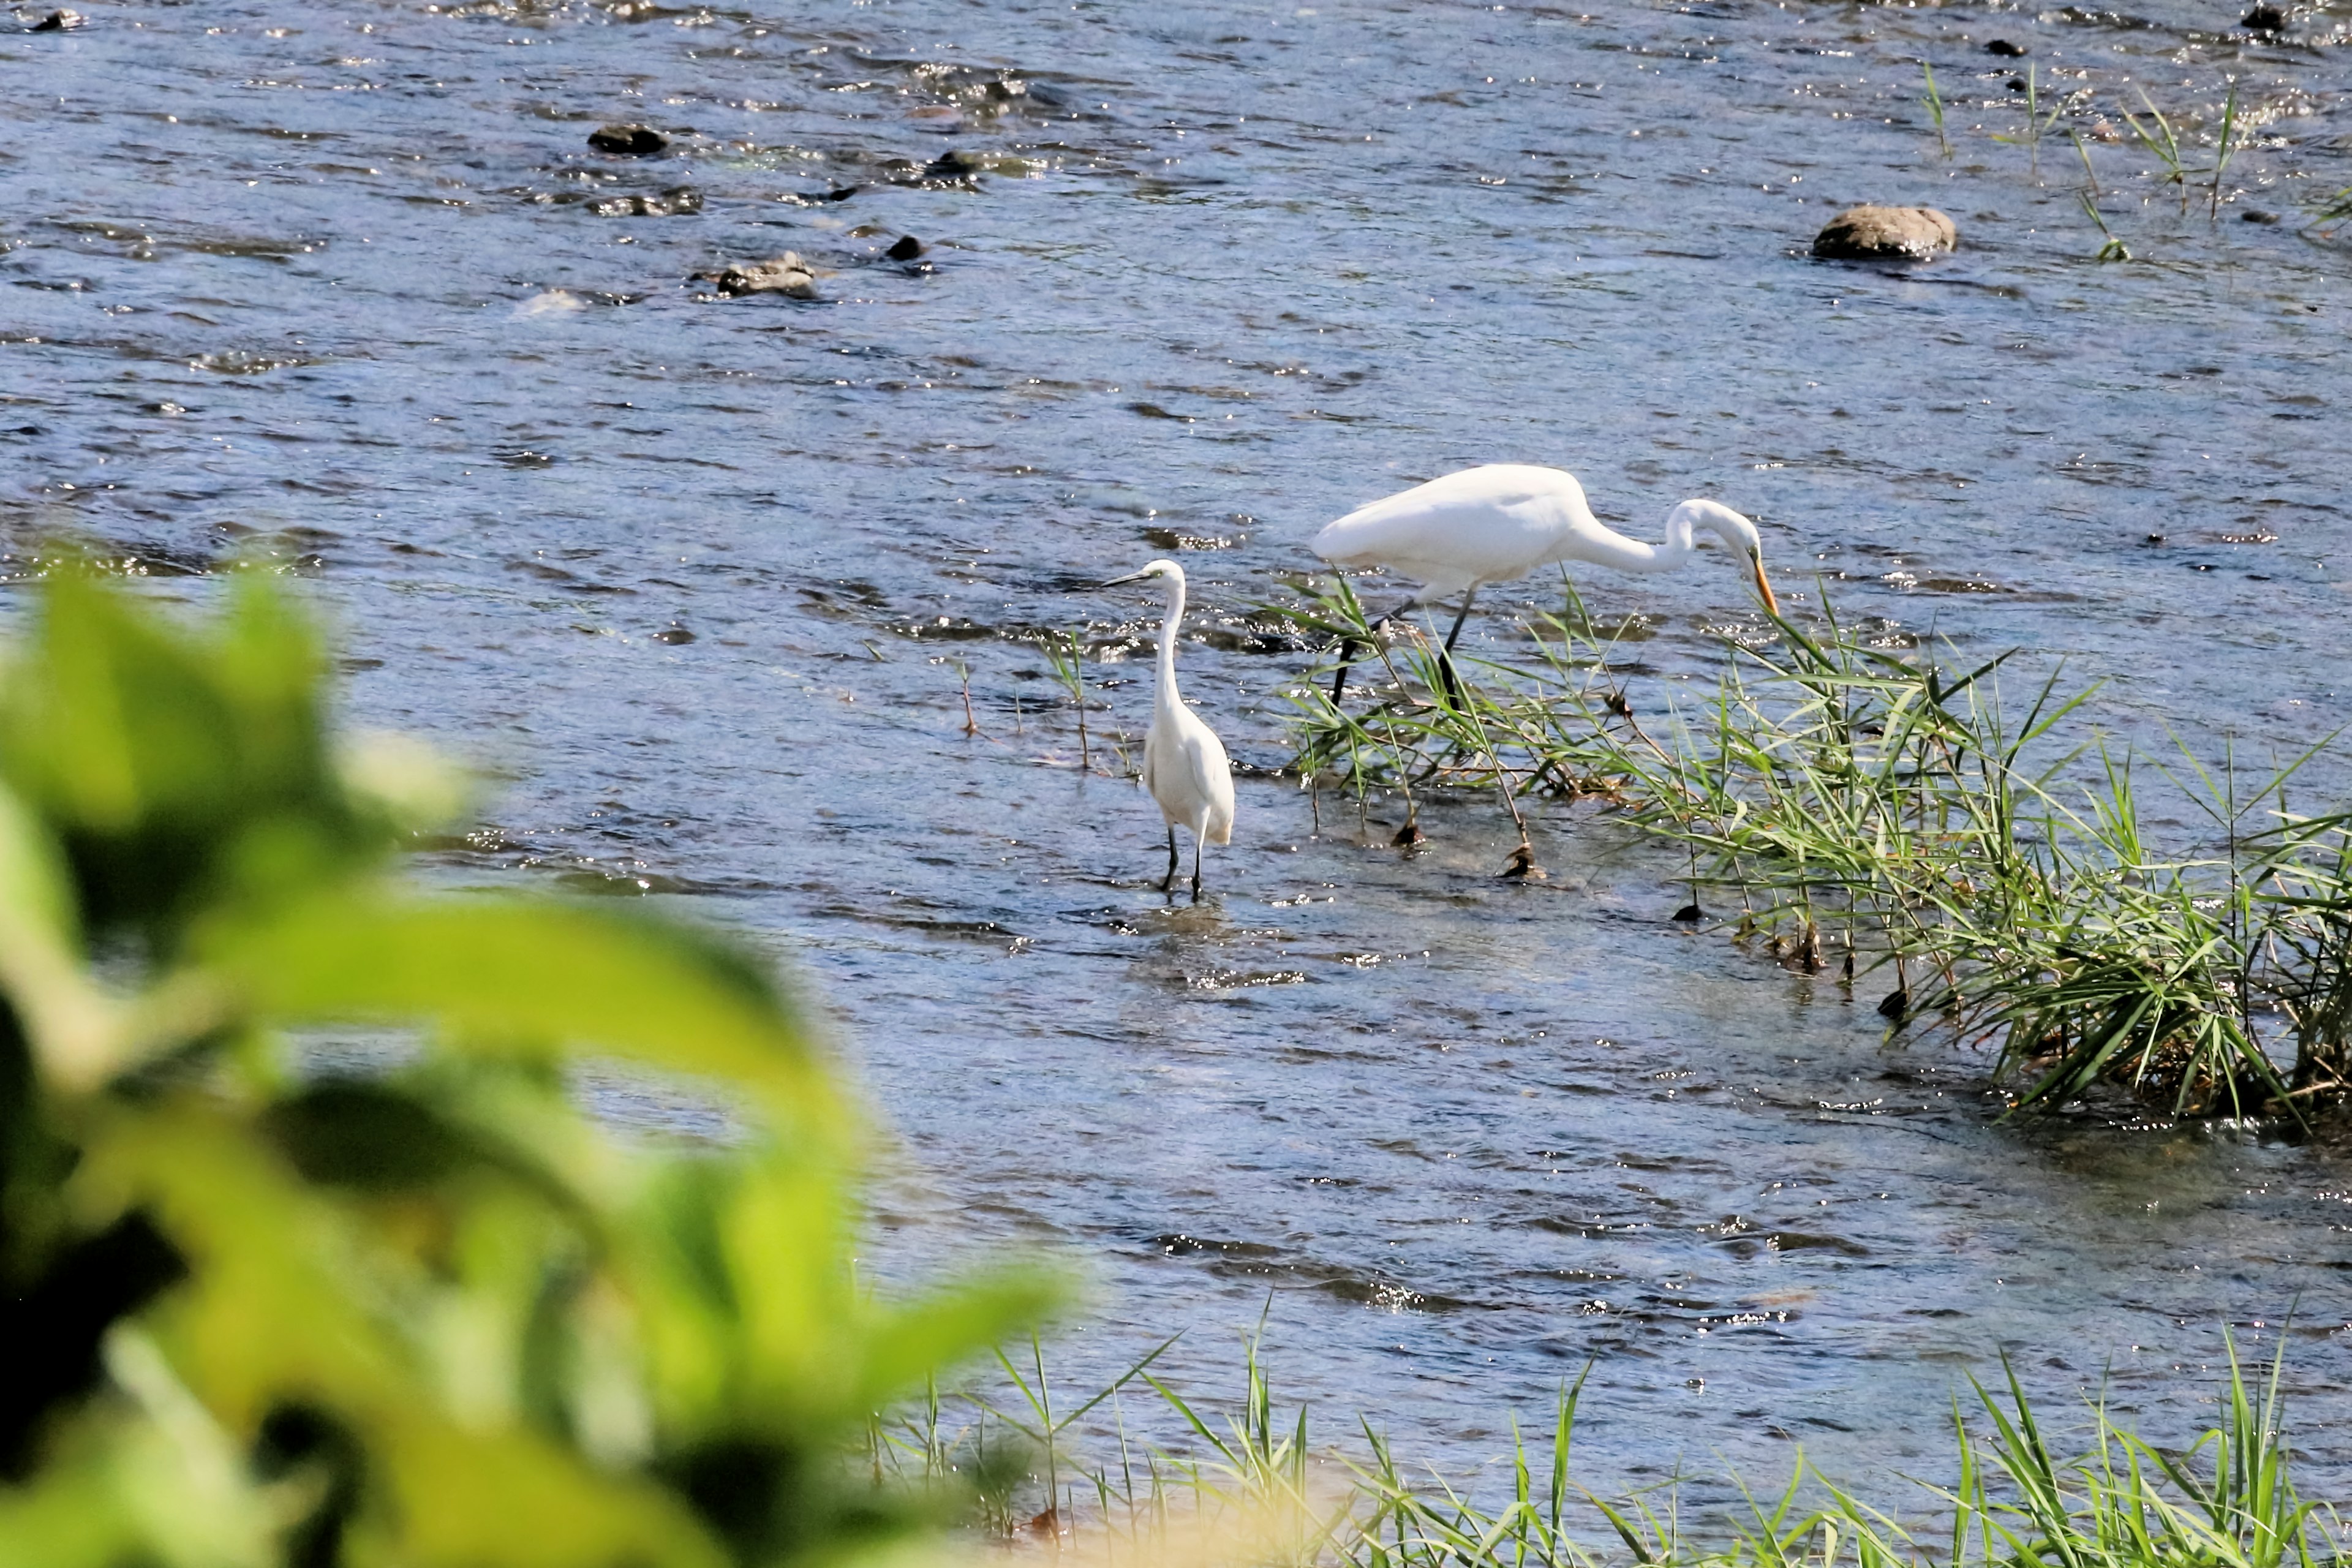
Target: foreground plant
(403, 1303)
(1876, 808)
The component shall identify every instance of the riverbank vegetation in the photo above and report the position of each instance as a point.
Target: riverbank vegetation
(1252, 1486)
(1967, 832)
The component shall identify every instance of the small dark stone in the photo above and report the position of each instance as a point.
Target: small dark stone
(57, 22)
(1408, 835)
(2155, 539)
(1887, 234)
(2264, 19)
(674, 634)
(2005, 49)
(907, 248)
(2017, 84)
(1897, 1005)
(627, 141)
(1690, 914)
(2256, 214)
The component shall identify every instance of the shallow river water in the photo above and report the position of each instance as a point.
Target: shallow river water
(341, 287)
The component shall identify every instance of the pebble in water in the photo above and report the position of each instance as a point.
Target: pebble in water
(627, 141)
(2264, 19)
(2006, 49)
(57, 22)
(1870, 233)
(907, 248)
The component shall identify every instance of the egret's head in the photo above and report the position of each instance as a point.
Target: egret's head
(1162, 568)
(1738, 534)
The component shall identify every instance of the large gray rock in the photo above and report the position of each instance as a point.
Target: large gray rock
(787, 275)
(1887, 234)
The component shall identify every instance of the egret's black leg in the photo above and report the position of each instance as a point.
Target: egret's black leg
(1459, 619)
(1200, 843)
(1348, 648)
(1339, 678)
(1170, 880)
(1445, 654)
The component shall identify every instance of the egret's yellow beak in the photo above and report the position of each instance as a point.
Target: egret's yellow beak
(1764, 588)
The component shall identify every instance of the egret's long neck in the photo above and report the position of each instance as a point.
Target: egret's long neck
(1167, 696)
(1595, 541)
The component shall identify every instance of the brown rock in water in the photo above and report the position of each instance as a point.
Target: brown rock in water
(2264, 19)
(627, 141)
(787, 275)
(1887, 234)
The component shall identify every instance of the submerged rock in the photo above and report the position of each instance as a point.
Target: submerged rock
(627, 141)
(668, 203)
(2006, 49)
(909, 248)
(2256, 214)
(1887, 234)
(57, 22)
(787, 275)
(2264, 19)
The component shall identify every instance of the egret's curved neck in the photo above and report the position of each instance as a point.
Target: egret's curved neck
(1587, 538)
(1167, 693)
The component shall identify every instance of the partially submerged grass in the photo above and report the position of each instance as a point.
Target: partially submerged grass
(1882, 808)
(2019, 1494)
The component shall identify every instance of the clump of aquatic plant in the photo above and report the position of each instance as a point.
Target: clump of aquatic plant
(1066, 653)
(2227, 147)
(2037, 123)
(2162, 143)
(1934, 100)
(1880, 808)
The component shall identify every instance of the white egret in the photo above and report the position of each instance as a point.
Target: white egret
(1184, 763)
(1490, 524)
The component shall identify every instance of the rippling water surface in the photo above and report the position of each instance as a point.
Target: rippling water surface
(341, 286)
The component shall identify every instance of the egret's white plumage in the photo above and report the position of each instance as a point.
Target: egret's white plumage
(1489, 524)
(1184, 763)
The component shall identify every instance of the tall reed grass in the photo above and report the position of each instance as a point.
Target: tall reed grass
(1886, 809)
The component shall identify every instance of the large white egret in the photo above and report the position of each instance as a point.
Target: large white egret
(1490, 524)
(1184, 763)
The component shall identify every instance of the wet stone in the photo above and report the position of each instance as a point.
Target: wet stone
(2256, 214)
(907, 248)
(674, 634)
(1871, 233)
(2264, 19)
(627, 141)
(2006, 49)
(57, 22)
(787, 275)
(668, 203)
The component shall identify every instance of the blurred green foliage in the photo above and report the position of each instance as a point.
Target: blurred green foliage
(425, 1314)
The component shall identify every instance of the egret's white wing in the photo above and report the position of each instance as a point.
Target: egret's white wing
(1210, 773)
(1481, 525)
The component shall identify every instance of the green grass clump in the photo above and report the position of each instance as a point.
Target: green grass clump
(1881, 808)
(2018, 1493)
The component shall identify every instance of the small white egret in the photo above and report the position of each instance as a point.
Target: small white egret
(1490, 524)
(1184, 763)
